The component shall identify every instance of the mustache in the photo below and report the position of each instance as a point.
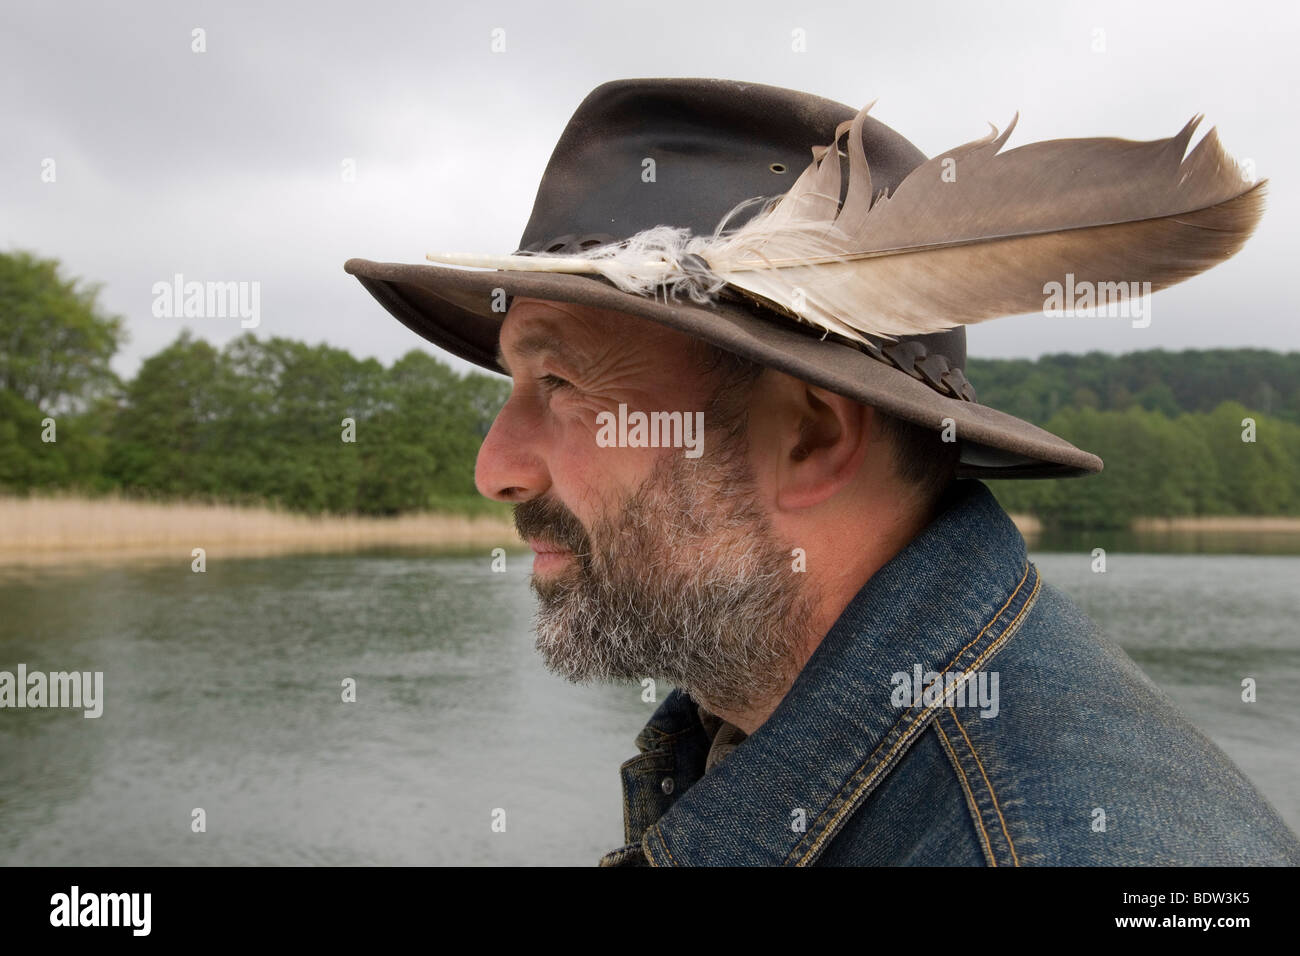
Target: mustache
(551, 522)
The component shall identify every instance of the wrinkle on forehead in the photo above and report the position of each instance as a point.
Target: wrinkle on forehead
(542, 329)
(598, 336)
(609, 349)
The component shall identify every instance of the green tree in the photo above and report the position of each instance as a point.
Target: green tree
(55, 342)
(1255, 477)
(163, 439)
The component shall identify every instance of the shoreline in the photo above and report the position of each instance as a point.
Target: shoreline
(1199, 524)
(1251, 524)
(54, 530)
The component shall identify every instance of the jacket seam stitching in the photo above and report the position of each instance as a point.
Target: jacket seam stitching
(650, 760)
(989, 783)
(654, 746)
(645, 846)
(621, 854)
(627, 816)
(663, 753)
(903, 737)
(664, 843)
(629, 769)
(972, 803)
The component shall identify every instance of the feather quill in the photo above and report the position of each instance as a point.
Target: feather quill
(969, 235)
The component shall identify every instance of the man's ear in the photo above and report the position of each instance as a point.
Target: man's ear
(823, 444)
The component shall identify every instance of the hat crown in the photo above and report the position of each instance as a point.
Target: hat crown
(684, 152)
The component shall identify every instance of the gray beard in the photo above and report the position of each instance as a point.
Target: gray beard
(687, 583)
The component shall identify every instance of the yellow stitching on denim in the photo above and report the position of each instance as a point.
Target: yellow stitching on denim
(653, 760)
(903, 736)
(965, 785)
(627, 766)
(645, 849)
(664, 844)
(979, 763)
(844, 803)
(630, 765)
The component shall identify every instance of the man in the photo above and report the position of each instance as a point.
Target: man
(790, 530)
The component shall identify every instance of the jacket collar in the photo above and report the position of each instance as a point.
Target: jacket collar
(947, 602)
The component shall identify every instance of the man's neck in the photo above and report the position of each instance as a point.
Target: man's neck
(836, 591)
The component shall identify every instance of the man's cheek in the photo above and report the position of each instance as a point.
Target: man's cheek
(595, 465)
(581, 479)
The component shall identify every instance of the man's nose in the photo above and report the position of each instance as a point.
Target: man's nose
(510, 466)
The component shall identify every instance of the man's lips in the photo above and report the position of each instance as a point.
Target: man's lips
(548, 555)
(546, 547)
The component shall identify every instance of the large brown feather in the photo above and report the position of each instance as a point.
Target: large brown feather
(967, 236)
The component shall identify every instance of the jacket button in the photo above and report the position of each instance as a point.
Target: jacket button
(666, 785)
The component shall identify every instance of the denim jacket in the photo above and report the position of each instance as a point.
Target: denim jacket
(1056, 749)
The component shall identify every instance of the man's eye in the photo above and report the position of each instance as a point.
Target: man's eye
(553, 383)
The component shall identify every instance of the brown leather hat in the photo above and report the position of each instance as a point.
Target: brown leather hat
(715, 143)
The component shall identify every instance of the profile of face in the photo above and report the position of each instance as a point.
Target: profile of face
(650, 563)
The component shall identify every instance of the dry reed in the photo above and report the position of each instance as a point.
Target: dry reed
(53, 529)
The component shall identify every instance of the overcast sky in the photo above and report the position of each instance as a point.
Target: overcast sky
(226, 165)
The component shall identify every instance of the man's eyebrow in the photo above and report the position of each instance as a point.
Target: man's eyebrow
(535, 343)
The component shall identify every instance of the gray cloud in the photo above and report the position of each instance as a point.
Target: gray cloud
(225, 165)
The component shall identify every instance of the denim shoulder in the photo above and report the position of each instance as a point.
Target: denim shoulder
(1064, 753)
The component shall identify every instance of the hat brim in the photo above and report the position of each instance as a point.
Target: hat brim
(452, 308)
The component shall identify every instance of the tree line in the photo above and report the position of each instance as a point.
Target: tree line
(307, 428)
(1228, 461)
(1197, 432)
(1156, 380)
(315, 429)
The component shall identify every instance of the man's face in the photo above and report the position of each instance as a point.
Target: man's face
(650, 563)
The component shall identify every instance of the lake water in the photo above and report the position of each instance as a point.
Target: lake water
(223, 692)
